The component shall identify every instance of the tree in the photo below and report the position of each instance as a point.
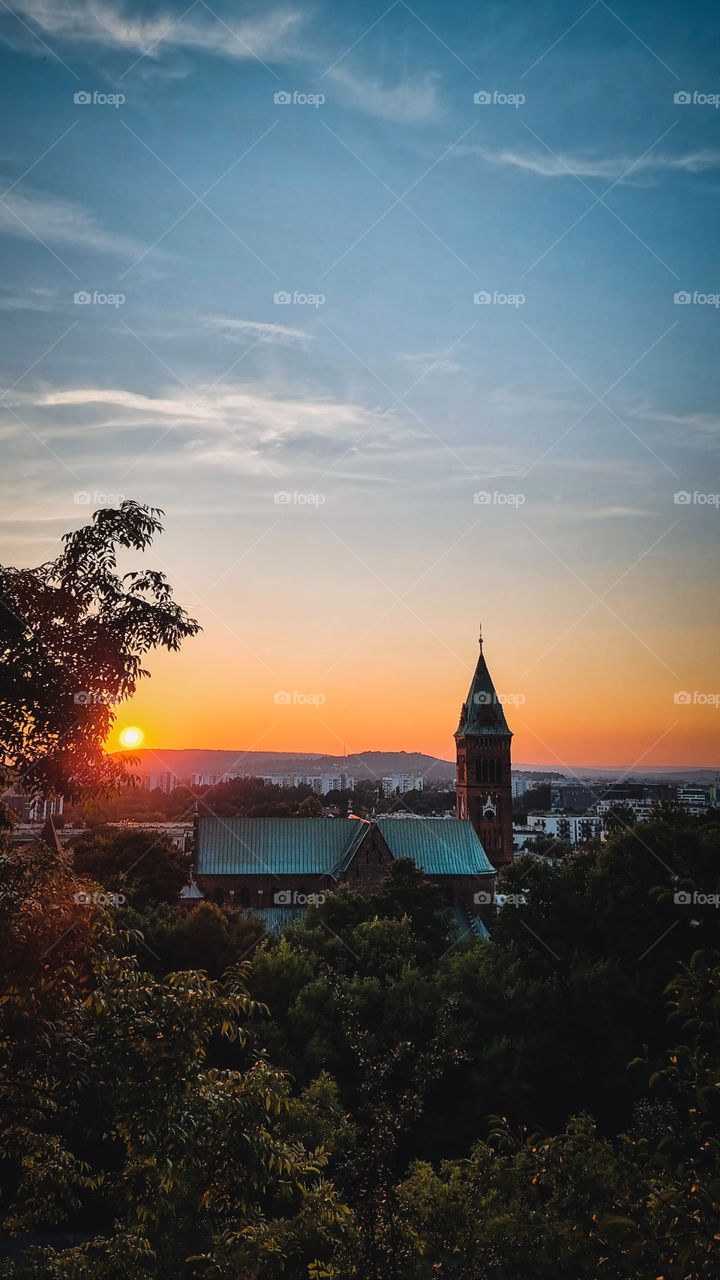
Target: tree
(73, 634)
(145, 1133)
(310, 807)
(142, 865)
(536, 798)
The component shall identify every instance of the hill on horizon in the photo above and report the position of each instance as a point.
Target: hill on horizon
(365, 765)
(378, 764)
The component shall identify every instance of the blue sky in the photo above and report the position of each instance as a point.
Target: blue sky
(397, 397)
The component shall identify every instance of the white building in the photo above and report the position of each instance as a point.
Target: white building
(399, 783)
(32, 808)
(321, 783)
(212, 779)
(694, 799)
(520, 786)
(640, 809)
(575, 828)
(164, 781)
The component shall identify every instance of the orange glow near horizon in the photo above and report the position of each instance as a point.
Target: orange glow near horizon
(576, 705)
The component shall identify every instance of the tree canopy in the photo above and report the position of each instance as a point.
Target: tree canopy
(73, 635)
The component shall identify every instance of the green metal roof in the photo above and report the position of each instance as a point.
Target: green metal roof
(482, 712)
(276, 846)
(441, 846)
(470, 926)
(276, 919)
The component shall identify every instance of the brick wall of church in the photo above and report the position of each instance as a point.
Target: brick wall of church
(261, 891)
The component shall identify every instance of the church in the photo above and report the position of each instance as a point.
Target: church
(276, 867)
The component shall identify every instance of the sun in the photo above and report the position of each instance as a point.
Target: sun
(131, 737)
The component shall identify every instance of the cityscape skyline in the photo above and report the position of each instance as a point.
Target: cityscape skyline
(405, 321)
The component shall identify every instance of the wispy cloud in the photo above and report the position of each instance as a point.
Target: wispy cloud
(57, 221)
(33, 298)
(564, 165)
(261, 331)
(263, 419)
(684, 428)
(612, 513)
(410, 101)
(430, 362)
(101, 23)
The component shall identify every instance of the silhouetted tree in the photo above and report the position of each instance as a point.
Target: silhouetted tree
(73, 634)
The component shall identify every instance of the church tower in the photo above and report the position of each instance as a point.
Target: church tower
(484, 787)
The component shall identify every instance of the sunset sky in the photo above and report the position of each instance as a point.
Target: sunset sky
(353, 479)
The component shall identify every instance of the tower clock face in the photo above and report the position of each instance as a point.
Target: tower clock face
(489, 814)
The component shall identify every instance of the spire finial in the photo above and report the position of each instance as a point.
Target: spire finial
(480, 642)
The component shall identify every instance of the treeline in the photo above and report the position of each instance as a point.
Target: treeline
(248, 798)
(369, 1095)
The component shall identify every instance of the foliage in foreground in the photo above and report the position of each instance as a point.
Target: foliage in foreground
(160, 1120)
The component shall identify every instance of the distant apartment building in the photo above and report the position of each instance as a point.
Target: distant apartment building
(694, 799)
(400, 783)
(574, 796)
(322, 783)
(639, 806)
(32, 808)
(212, 779)
(523, 838)
(520, 785)
(164, 781)
(573, 827)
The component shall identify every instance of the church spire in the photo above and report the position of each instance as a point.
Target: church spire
(484, 777)
(482, 711)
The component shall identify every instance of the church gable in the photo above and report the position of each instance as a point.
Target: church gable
(439, 846)
(370, 862)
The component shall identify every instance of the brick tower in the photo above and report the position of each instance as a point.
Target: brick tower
(484, 788)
